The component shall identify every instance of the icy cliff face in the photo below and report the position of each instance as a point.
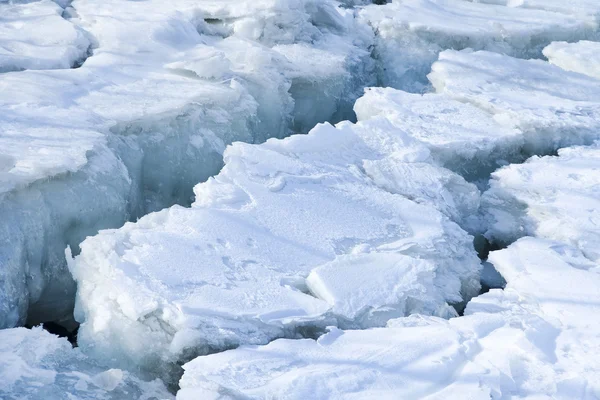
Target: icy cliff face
(149, 115)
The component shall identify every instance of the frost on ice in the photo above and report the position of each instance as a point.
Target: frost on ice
(35, 364)
(535, 339)
(232, 269)
(148, 116)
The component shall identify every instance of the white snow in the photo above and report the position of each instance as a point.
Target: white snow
(232, 269)
(149, 115)
(551, 197)
(35, 364)
(411, 33)
(582, 57)
(536, 339)
(34, 35)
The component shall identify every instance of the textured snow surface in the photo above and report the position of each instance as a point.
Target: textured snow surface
(551, 197)
(148, 116)
(582, 57)
(232, 269)
(34, 35)
(35, 364)
(411, 33)
(535, 339)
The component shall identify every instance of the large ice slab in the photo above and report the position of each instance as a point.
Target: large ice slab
(149, 115)
(579, 57)
(552, 197)
(34, 35)
(35, 364)
(231, 270)
(535, 339)
(411, 33)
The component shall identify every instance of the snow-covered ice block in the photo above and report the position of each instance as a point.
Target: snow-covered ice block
(551, 197)
(581, 8)
(535, 339)
(35, 364)
(231, 270)
(461, 136)
(34, 35)
(552, 107)
(149, 115)
(411, 33)
(579, 57)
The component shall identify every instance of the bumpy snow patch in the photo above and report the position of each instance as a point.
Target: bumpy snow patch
(35, 364)
(535, 338)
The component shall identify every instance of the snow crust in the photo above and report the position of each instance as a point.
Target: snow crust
(551, 197)
(411, 33)
(232, 269)
(535, 339)
(149, 115)
(35, 364)
(579, 57)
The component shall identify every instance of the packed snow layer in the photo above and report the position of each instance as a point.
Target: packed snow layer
(35, 364)
(582, 57)
(552, 197)
(149, 115)
(535, 339)
(232, 269)
(411, 33)
(34, 35)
